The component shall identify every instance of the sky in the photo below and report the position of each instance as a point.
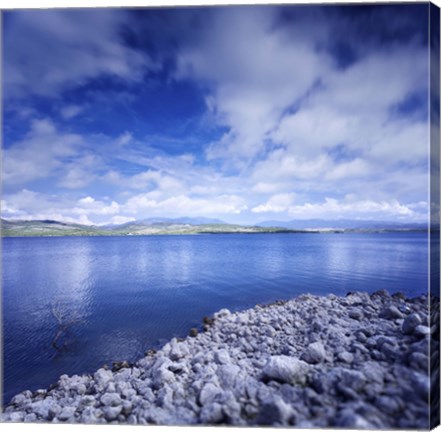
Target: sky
(241, 113)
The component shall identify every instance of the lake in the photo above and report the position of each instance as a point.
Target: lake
(123, 295)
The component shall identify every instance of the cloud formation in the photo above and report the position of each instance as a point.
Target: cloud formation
(239, 113)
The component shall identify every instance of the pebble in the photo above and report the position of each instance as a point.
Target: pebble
(286, 369)
(315, 353)
(355, 362)
(390, 313)
(410, 323)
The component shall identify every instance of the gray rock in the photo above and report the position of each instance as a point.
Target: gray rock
(356, 314)
(112, 412)
(208, 393)
(102, 377)
(422, 330)
(179, 351)
(390, 313)
(390, 351)
(212, 413)
(14, 417)
(418, 360)
(286, 369)
(21, 398)
(389, 405)
(276, 412)
(345, 357)
(31, 418)
(111, 399)
(227, 374)
(222, 357)
(348, 419)
(315, 353)
(410, 323)
(66, 413)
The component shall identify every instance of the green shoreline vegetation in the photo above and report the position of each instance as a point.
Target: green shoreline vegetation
(51, 228)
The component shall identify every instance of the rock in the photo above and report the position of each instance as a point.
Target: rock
(211, 413)
(21, 398)
(389, 405)
(276, 412)
(245, 370)
(390, 313)
(418, 360)
(222, 313)
(227, 374)
(346, 357)
(208, 393)
(390, 351)
(116, 366)
(179, 351)
(410, 323)
(111, 413)
(348, 419)
(193, 332)
(31, 418)
(102, 377)
(15, 417)
(111, 399)
(286, 369)
(66, 413)
(380, 294)
(222, 357)
(420, 384)
(356, 314)
(422, 330)
(315, 353)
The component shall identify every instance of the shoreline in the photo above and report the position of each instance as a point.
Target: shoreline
(359, 361)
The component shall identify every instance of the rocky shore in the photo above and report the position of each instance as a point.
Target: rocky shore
(359, 361)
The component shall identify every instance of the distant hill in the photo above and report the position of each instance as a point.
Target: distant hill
(15, 228)
(161, 226)
(157, 226)
(344, 224)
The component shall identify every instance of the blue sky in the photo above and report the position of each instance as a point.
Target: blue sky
(245, 113)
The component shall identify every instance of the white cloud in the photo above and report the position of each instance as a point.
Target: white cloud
(70, 111)
(256, 71)
(40, 154)
(147, 205)
(276, 204)
(48, 51)
(332, 208)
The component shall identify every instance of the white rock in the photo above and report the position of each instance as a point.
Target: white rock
(111, 399)
(102, 377)
(66, 413)
(208, 393)
(211, 413)
(315, 353)
(227, 375)
(286, 369)
(111, 413)
(222, 357)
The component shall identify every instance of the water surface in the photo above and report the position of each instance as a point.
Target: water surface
(124, 295)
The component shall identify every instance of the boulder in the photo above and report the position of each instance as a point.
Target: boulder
(286, 369)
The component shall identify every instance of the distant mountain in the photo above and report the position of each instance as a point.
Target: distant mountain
(343, 224)
(185, 220)
(185, 225)
(17, 228)
(159, 226)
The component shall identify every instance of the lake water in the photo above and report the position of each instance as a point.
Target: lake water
(125, 295)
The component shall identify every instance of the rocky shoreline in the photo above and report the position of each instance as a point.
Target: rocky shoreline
(359, 361)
